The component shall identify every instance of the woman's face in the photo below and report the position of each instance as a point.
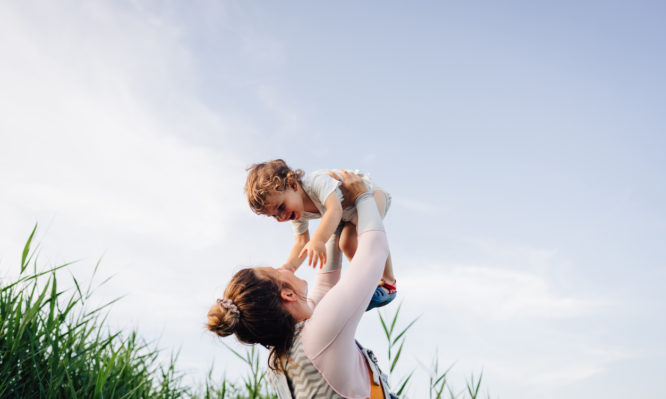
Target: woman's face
(287, 277)
(294, 291)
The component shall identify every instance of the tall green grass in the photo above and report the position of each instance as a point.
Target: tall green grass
(53, 345)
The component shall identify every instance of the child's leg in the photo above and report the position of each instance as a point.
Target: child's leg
(329, 274)
(349, 240)
(388, 275)
(333, 255)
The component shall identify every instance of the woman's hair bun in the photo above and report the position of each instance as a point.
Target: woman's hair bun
(223, 317)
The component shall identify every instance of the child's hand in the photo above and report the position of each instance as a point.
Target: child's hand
(316, 251)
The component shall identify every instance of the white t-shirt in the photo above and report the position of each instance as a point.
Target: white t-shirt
(318, 185)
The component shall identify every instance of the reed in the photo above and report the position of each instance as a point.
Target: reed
(53, 346)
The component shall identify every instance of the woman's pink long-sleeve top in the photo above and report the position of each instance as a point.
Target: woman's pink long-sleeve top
(339, 303)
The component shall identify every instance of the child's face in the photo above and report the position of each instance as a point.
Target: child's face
(285, 205)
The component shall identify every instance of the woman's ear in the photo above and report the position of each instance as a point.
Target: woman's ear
(288, 295)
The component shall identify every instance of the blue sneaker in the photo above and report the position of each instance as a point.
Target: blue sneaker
(381, 297)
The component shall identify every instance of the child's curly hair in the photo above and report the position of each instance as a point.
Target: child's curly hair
(267, 177)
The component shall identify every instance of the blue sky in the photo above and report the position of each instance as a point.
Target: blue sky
(523, 144)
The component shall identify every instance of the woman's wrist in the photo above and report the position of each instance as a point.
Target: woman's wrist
(361, 196)
(368, 214)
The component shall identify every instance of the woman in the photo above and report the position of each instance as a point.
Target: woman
(311, 337)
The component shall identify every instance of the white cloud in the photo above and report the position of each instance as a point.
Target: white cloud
(514, 254)
(492, 293)
(85, 137)
(98, 140)
(542, 373)
(417, 205)
(509, 323)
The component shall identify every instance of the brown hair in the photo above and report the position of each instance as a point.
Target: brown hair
(267, 177)
(259, 316)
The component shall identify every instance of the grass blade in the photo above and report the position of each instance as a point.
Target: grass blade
(25, 260)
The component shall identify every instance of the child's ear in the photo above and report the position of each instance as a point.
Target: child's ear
(293, 184)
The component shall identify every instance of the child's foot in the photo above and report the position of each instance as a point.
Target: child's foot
(384, 294)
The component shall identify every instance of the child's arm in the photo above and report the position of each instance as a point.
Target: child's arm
(316, 248)
(294, 261)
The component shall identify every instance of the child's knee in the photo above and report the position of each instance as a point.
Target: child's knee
(347, 248)
(348, 240)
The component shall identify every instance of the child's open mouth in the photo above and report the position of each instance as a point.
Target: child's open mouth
(293, 214)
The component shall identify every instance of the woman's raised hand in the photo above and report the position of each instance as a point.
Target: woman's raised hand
(352, 185)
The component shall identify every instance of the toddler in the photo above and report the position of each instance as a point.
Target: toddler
(273, 189)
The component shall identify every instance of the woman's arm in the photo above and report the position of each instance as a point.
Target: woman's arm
(334, 321)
